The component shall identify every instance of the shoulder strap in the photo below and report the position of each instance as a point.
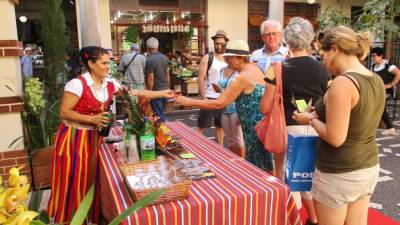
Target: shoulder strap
(355, 84)
(387, 65)
(227, 80)
(210, 62)
(278, 76)
(83, 80)
(133, 58)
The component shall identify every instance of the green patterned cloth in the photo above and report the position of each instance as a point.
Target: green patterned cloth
(248, 108)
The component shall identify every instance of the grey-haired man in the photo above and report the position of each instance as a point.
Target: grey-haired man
(273, 50)
(157, 75)
(132, 66)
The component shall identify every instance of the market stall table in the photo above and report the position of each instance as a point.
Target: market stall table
(239, 194)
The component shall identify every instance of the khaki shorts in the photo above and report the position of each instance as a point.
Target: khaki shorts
(233, 131)
(335, 190)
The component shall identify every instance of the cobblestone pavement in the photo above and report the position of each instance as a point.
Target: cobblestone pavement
(386, 197)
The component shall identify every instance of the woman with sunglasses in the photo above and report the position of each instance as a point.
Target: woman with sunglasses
(75, 165)
(346, 119)
(246, 89)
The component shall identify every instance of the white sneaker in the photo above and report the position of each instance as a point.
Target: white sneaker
(390, 131)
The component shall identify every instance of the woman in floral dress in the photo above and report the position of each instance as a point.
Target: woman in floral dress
(247, 89)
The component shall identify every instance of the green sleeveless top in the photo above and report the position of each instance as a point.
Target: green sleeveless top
(360, 149)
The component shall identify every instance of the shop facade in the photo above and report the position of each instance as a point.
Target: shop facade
(187, 25)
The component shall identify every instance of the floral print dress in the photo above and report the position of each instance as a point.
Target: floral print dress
(248, 108)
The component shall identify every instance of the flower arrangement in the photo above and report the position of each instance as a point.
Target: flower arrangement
(136, 109)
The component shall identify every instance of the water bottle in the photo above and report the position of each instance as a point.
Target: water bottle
(147, 142)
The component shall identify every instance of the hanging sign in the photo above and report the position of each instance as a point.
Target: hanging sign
(156, 28)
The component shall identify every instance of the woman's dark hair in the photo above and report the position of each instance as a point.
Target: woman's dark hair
(91, 53)
(178, 53)
(378, 51)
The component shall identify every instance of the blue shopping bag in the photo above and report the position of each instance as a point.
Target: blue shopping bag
(300, 157)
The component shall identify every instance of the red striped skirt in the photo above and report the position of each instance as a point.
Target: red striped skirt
(75, 167)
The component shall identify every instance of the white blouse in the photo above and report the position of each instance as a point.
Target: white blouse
(75, 86)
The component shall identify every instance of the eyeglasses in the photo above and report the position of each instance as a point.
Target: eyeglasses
(271, 34)
(222, 44)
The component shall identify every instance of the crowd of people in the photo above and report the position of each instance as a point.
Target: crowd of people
(235, 94)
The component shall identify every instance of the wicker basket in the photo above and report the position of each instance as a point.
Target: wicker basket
(176, 191)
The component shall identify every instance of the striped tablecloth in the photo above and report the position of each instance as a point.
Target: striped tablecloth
(241, 194)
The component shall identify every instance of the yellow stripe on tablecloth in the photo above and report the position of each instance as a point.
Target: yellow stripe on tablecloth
(212, 204)
(148, 215)
(163, 214)
(199, 203)
(175, 211)
(223, 203)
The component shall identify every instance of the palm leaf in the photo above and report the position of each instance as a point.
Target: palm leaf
(83, 208)
(13, 142)
(139, 204)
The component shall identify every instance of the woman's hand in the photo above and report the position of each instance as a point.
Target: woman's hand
(168, 94)
(182, 100)
(388, 86)
(304, 117)
(100, 120)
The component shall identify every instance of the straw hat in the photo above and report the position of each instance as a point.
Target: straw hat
(237, 48)
(220, 34)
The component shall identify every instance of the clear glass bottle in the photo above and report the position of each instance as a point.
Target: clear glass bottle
(133, 153)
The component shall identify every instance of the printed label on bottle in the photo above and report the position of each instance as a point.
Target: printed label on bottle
(147, 142)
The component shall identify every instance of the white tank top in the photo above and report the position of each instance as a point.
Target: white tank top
(213, 77)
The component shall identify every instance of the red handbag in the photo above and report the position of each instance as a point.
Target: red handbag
(271, 130)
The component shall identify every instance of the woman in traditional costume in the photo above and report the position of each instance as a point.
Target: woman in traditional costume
(75, 162)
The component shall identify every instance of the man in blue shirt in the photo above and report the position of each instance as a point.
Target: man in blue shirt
(26, 64)
(272, 51)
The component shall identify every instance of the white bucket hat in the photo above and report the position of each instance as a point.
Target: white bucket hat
(237, 48)
(28, 49)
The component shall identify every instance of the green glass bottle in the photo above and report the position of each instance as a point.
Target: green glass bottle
(147, 142)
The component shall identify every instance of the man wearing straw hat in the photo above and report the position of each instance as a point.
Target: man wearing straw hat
(209, 71)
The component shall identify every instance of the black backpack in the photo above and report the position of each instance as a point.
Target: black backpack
(210, 62)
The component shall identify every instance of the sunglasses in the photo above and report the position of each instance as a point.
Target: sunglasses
(222, 44)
